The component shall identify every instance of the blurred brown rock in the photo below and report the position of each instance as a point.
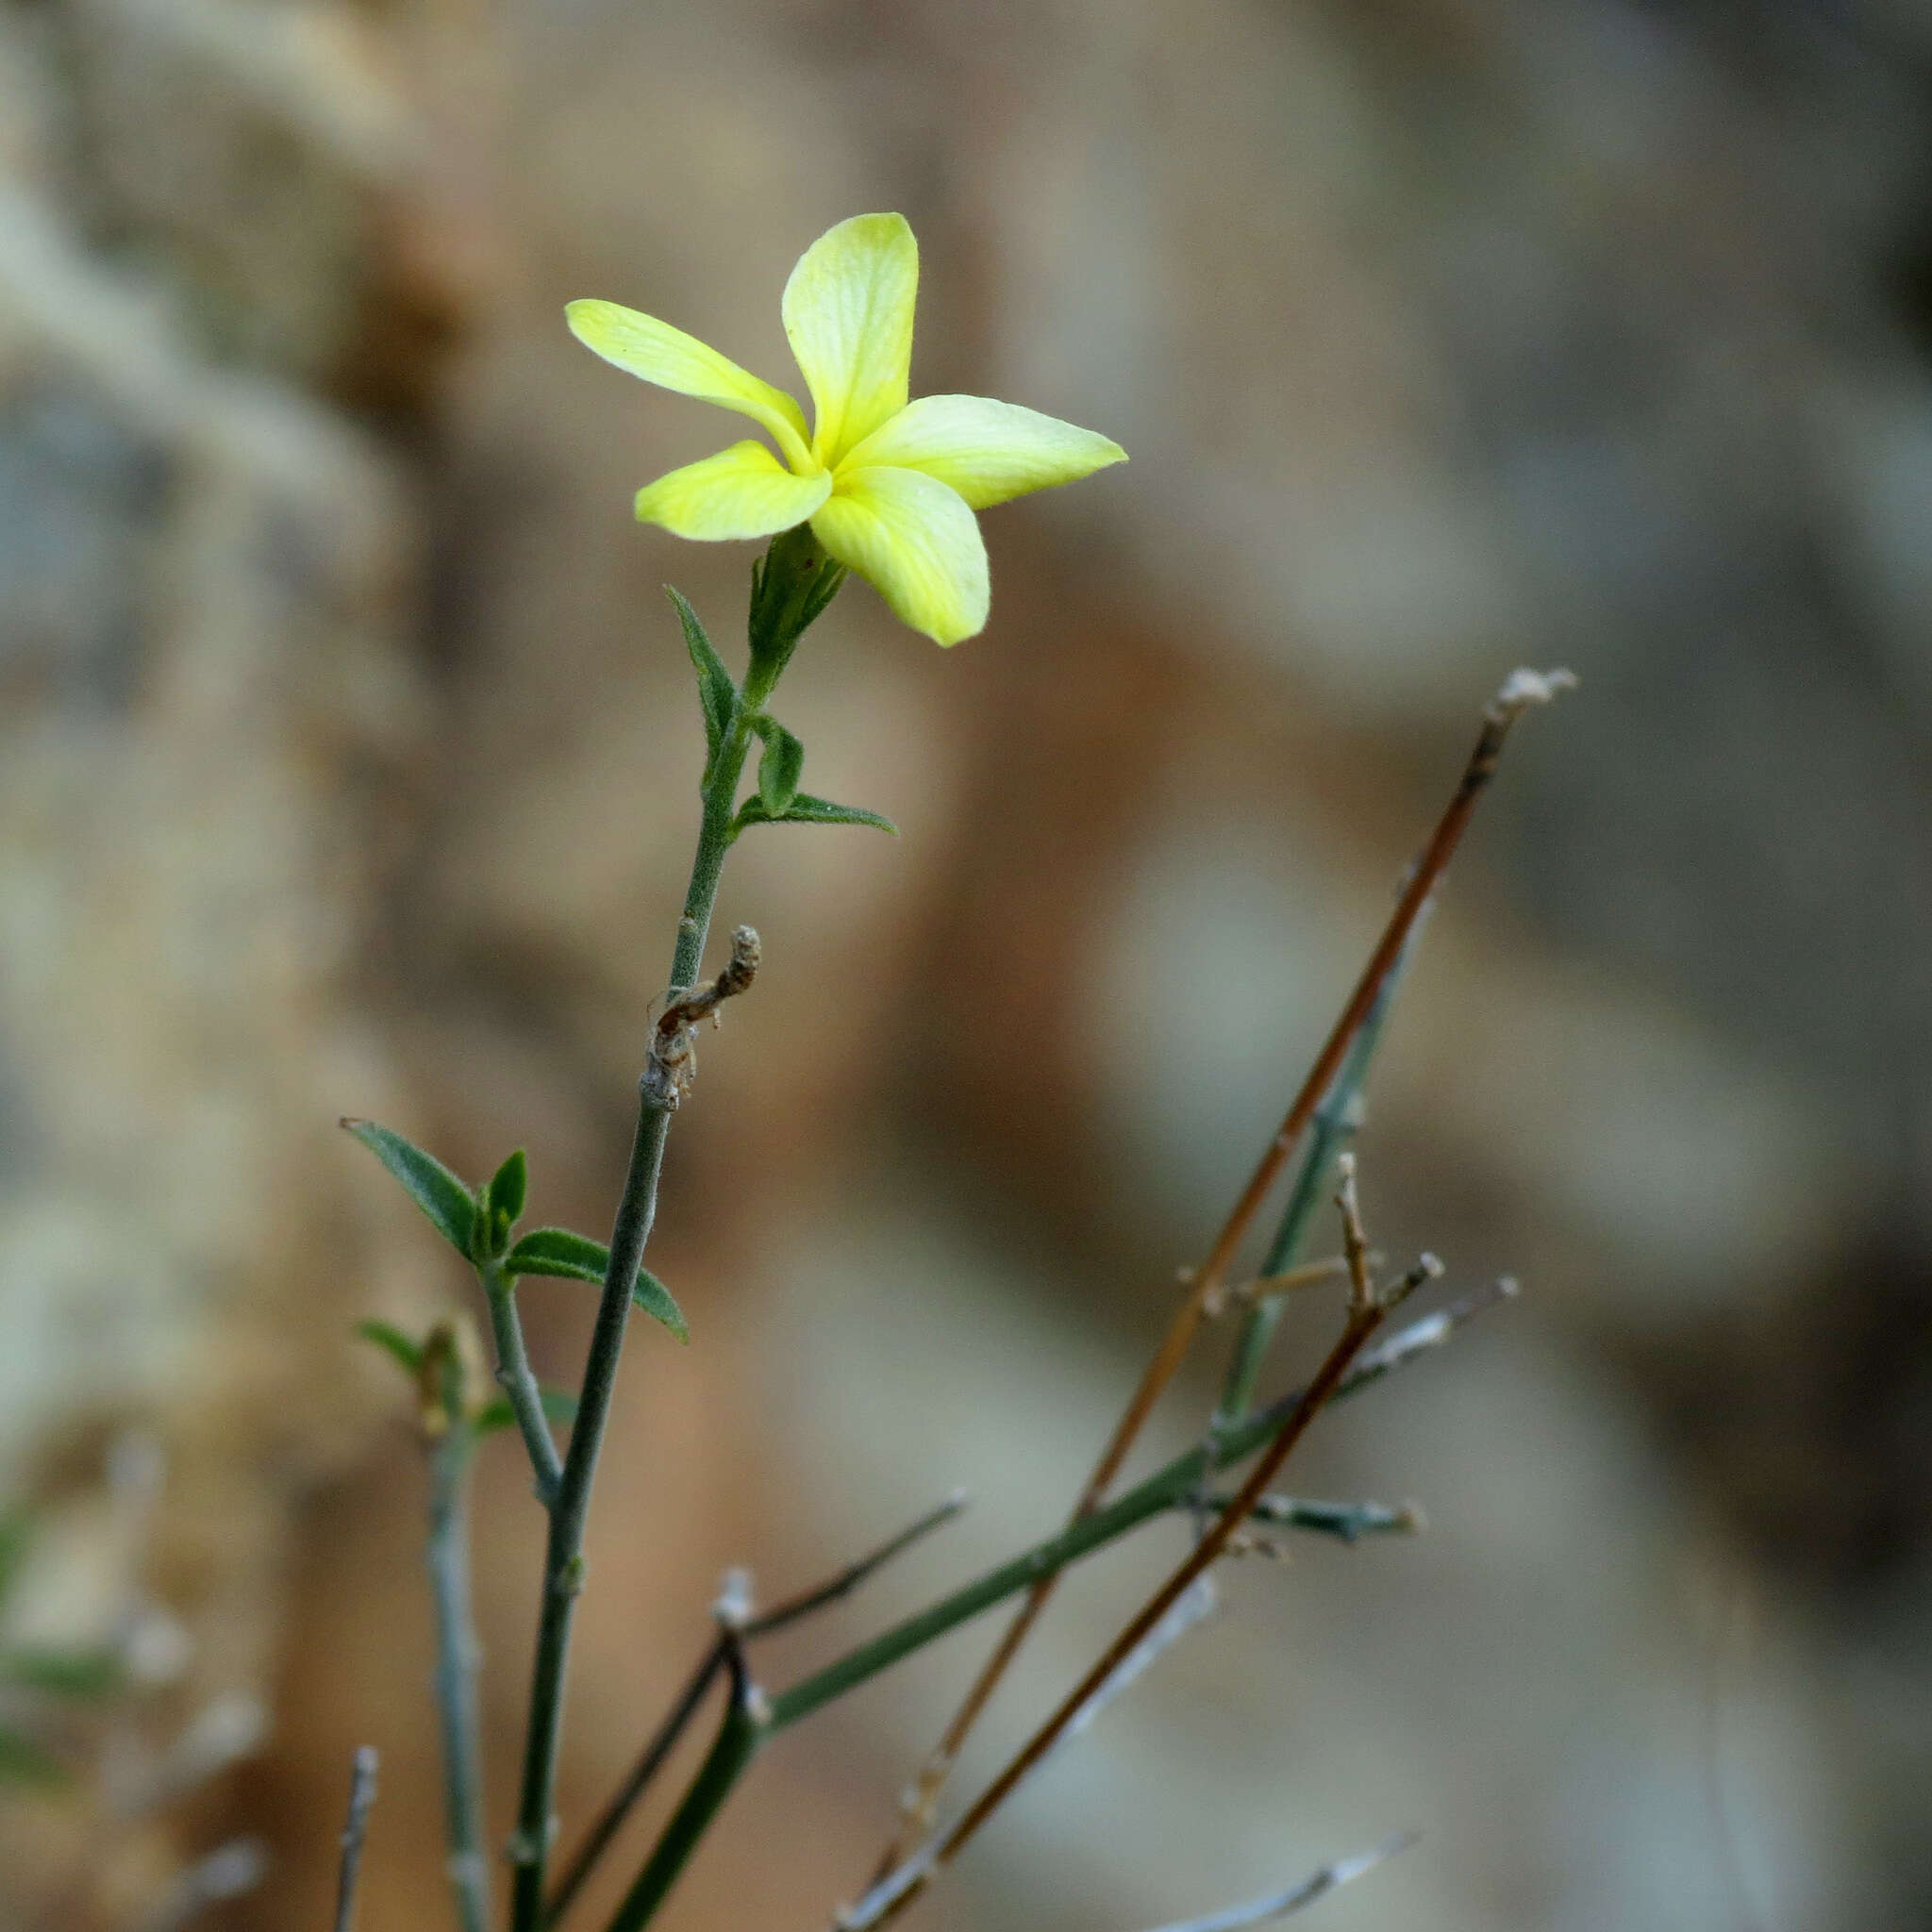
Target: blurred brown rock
(349, 765)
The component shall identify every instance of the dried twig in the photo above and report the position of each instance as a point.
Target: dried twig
(849, 1578)
(362, 1772)
(673, 1058)
(1366, 1312)
(230, 1871)
(1317, 1884)
(1193, 1607)
(1287, 1281)
(1348, 1521)
(1520, 691)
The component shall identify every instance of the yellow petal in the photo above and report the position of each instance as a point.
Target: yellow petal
(913, 539)
(741, 491)
(645, 347)
(985, 450)
(848, 315)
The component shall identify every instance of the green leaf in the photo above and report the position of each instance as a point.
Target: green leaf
(509, 1186)
(426, 1182)
(570, 1257)
(716, 692)
(559, 1251)
(23, 1761)
(503, 1199)
(408, 1354)
(62, 1672)
(780, 766)
(649, 1296)
(804, 810)
(559, 1404)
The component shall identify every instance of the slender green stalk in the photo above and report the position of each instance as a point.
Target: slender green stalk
(362, 1773)
(789, 590)
(457, 1658)
(514, 1377)
(1177, 1483)
(1334, 1126)
(663, 1740)
(741, 1732)
(1162, 1491)
(717, 1656)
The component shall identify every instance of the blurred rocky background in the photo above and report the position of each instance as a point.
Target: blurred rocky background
(348, 766)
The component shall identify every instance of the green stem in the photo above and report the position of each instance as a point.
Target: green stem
(745, 1730)
(717, 1656)
(1179, 1481)
(514, 1377)
(739, 1734)
(610, 1821)
(1334, 1126)
(456, 1657)
(778, 603)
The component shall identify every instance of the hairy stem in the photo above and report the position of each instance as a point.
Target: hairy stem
(362, 1773)
(457, 1658)
(517, 1381)
(637, 1208)
(792, 557)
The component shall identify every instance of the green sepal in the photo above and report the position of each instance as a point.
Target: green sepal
(62, 1672)
(503, 1200)
(23, 1761)
(392, 1341)
(560, 1405)
(790, 585)
(804, 810)
(779, 767)
(570, 1257)
(716, 692)
(448, 1204)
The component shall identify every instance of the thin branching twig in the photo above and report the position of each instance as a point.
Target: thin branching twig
(1317, 1884)
(362, 1772)
(1519, 693)
(735, 1620)
(1366, 1312)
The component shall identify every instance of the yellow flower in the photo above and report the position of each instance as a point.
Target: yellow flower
(889, 486)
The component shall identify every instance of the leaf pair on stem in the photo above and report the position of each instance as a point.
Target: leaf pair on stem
(478, 1223)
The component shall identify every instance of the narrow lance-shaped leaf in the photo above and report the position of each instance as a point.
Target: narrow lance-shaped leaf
(23, 1761)
(62, 1672)
(425, 1180)
(779, 768)
(560, 1405)
(716, 692)
(392, 1341)
(804, 810)
(568, 1255)
(508, 1187)
(16, 1530)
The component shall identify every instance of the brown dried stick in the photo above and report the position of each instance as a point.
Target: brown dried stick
(1519, 691)
(1366, 1311)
